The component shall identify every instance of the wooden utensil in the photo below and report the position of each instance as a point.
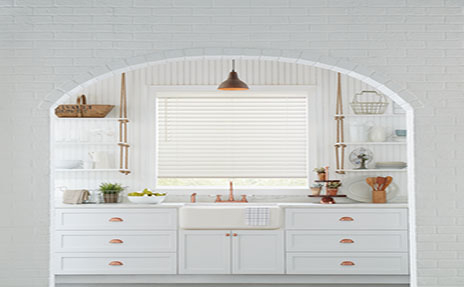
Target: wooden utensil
(371, 181)
(388, 181)
(380, 182)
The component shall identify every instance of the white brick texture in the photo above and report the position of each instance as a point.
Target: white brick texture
(45, 44)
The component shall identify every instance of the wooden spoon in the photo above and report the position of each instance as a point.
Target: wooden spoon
(388, 180)
(380, 182)
(371, 181)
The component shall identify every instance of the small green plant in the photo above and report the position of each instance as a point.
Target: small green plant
(334, 185)
(316, 185)
(111, 188)
(319, 170)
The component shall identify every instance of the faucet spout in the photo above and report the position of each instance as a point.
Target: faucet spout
(231, 191)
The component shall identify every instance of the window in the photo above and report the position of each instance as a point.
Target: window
(254, 140)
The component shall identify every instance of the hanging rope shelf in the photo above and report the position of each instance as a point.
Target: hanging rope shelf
(123, 121)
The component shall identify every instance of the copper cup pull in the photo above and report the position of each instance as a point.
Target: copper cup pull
(116, 241)
(347, 263)
(346, 241)
(115, 263)
(115, 219)
(235, 234)
(346, 218)
(227, 234)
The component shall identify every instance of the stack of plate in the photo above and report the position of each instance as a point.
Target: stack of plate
(390, 164)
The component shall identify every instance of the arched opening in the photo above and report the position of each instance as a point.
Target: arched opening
(302, 69)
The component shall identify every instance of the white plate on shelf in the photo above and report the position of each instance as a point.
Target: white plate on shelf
(357, 189)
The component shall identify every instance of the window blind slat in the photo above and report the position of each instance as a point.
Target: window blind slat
(232, 137)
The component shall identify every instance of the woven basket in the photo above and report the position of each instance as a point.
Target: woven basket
(82, 110)
(369, 103)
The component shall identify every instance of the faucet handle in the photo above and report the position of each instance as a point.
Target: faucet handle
(244, 198)
(218, 198)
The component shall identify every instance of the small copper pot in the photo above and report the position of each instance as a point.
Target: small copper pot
(321, 176)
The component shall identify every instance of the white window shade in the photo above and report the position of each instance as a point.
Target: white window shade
(220, 136)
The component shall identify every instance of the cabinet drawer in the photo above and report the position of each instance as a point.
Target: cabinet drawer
(117, 241)
(110, 263)
(346, 263)
(347, 241)
(116, 219)
(343, 219)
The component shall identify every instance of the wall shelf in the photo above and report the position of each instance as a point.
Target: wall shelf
(374, 170)
(372, 143)
(88, 119)
(84, 143)
(88, 170)
(370, 116)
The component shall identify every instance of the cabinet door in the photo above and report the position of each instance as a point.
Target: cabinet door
(257, 252)
(204, 252)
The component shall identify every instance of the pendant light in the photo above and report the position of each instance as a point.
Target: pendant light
(233, 83)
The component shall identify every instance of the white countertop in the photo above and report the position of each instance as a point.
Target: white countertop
(282, 204)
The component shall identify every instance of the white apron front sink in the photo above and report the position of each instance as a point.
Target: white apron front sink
(223, 216)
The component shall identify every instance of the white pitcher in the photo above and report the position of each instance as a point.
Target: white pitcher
(377, 134)
(101, 159)
(358, 132)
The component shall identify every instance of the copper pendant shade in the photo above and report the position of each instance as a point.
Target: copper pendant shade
(233, 83)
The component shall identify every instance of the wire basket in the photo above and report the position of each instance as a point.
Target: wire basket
(369, 103)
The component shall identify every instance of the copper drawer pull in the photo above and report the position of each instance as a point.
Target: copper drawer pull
(115, 263)
(227, 234)
(346, 218)
(116, 219)
(235, 234)
(347, 263)
(346, 241)
(114, 241)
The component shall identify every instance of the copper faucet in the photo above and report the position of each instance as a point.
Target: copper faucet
(231, 195)
(193, 197)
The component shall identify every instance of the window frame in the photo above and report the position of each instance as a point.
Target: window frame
(157, 91)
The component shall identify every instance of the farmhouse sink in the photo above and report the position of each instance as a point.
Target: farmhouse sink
(225, 216)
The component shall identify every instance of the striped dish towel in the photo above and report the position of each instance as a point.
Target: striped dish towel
(257, 216)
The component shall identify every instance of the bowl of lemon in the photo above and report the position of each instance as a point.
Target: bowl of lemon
(146, 196)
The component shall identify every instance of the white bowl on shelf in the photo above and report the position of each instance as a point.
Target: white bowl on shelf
(68, 164)
(146, 199)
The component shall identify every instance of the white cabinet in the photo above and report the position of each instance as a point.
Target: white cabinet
(345, 241)
(346, 218)
(204, 252)
(116, 219)
(115, 241)
(347, 263)
(257, 252)
(231, 252)
(115, 263)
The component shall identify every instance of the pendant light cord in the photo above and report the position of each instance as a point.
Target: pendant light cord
(233, 65)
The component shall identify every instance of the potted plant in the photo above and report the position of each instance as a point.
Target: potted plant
(332, 188)
(320, 172)
(111, 191)
(316, 188)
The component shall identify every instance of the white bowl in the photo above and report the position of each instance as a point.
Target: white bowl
(68, 164)
(146, 199)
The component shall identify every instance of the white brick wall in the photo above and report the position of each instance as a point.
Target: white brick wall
(46, 43)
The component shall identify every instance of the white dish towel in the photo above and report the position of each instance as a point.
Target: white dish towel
(257, 216)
